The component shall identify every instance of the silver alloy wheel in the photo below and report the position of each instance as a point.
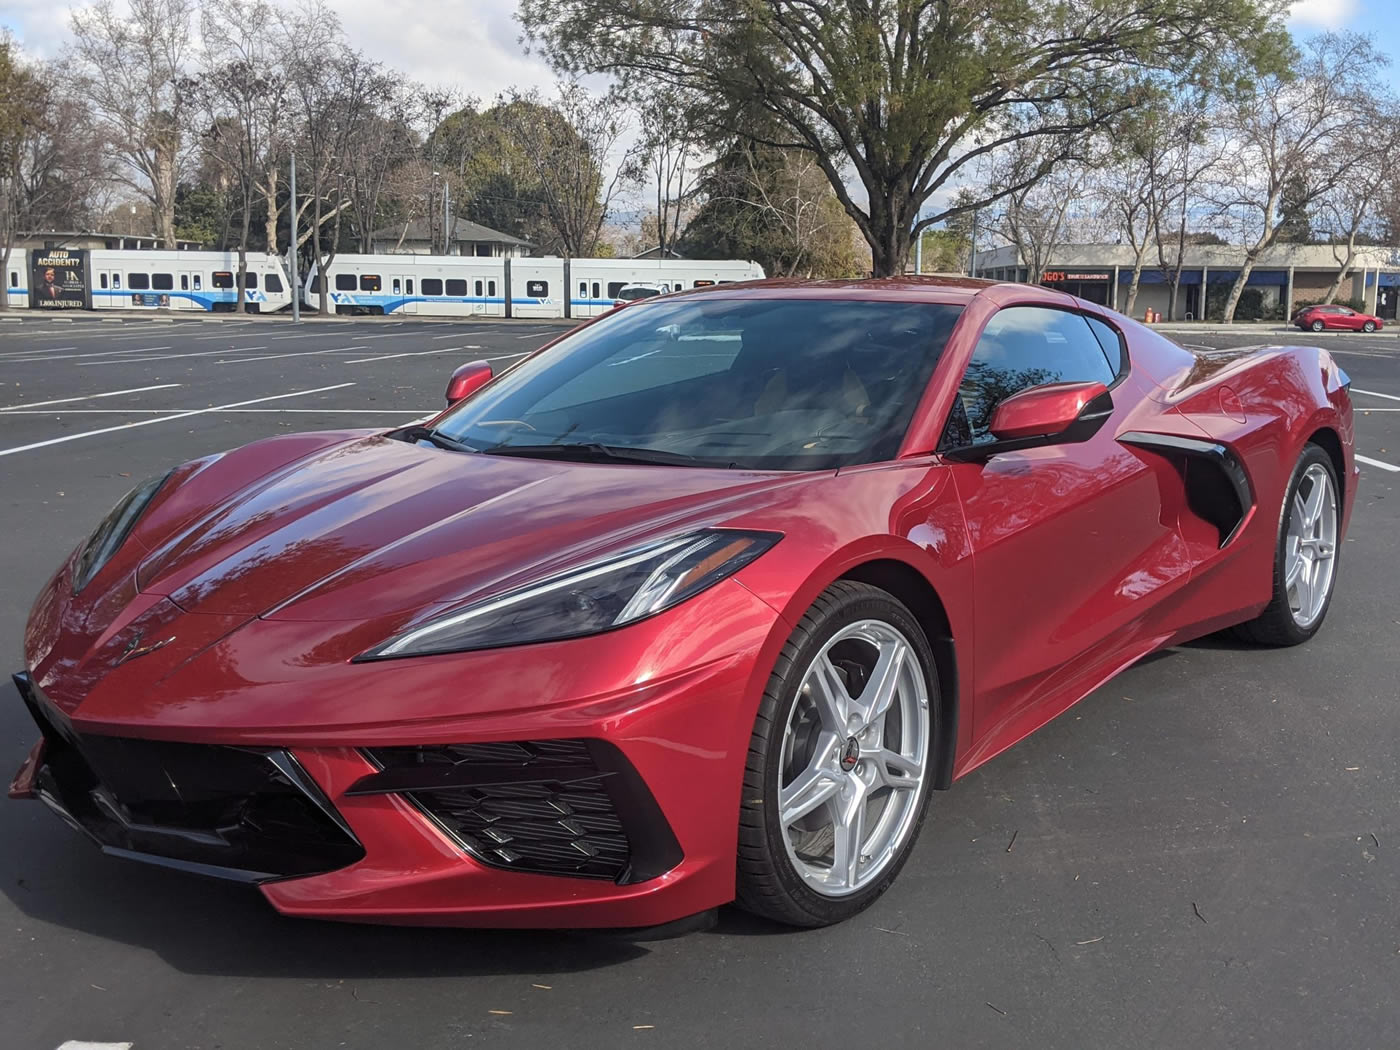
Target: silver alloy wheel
(1317, 326)
(855, 753)
(1310, 552)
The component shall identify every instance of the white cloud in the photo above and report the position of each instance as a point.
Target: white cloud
(1323, 14)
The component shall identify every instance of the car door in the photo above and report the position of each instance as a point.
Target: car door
(1068, 540)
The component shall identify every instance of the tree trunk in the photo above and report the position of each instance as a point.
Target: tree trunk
(1237, 289)
(1136, 281)
(5, 249)
(1343, 273)
(270, 197)
(322, 281)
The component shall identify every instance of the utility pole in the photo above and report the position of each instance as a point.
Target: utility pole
(296, 284)
(446, 217)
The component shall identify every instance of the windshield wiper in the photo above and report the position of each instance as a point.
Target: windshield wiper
(592, 451)
(419, 432)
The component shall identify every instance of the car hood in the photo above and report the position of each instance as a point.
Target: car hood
(374, 526)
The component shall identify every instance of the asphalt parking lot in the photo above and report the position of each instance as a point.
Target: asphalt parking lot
(1204, 853)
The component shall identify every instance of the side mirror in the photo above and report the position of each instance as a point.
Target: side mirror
(467, 380)
(1043, 411)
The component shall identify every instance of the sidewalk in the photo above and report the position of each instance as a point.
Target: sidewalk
(1260, 328)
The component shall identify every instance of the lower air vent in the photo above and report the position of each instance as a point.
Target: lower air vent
(557, 807)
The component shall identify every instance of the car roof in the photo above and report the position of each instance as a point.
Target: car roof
(911, 288)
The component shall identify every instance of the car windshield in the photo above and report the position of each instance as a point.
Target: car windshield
(632, 294)
(762, 384)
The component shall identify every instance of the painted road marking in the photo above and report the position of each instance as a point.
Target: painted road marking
(60, 413)
(89, 397)
(418, 353)
(1375, 393)
(1377, 463)
(95, 353)
(30, 353)
(83, 1044)
(172, 357)
(166, 419)
(302, 353)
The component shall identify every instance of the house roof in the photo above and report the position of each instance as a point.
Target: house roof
(462, 230)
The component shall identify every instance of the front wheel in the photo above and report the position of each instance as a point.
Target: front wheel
(1305, 564)
(1369, 326)
(840, 762)
(1317, 326)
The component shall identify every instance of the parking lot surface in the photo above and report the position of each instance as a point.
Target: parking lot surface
(1201, 854)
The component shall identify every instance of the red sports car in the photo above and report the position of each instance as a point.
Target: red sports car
(1343, 318)
(698, 604)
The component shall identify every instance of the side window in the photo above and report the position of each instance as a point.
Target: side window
(198, 282)
(272, 282)
(139, 281)
(597, 290)
(1022, 347)
(184, 282)
(408, 285)
(116, 280)
(456, 286)
(1111, 341)
(398, 286)
(432, 286)
(223, 279)
(583, 289)
(614, 287)
(101, 280)
(14, 280)
(537, 289)
(250, 279)
(345, 282)
(369, 282)
(162, 282)
(490, 287)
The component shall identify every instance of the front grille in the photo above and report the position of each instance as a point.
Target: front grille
(250, 814)
(558, 807)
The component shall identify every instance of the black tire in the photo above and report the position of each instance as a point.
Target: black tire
(1317, 326)
(767, 885)
(1369, 326)
(1276, 625)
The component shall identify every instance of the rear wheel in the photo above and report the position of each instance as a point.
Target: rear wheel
(1317, 326)
(1305, 564)
(840, 762)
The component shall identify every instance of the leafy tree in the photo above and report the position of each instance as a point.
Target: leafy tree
(906, 94)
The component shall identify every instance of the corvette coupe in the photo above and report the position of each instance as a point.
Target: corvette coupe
(698, 604)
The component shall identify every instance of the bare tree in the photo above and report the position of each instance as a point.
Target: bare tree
(571, 145)
(1350, 207)
(385, 144)
(1034, 213)
(671, 148)
(132, 60)
(1303, 135)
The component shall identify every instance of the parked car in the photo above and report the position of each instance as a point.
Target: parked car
(1341, 318)
(701, 603)
(630, 293)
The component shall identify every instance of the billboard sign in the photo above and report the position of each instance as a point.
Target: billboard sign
(59, 279)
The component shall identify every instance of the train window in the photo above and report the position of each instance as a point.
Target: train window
(369, 282)
(140, 281)
(250, 279)
(14, 279)
(432, 286)
(702, 284)
(456, 286)
(314, 285)
(614, 287)
(596, 289)
(198, 282)
(398, 286)
(408, 285)
(162, 282)
(490, 287)
(477, 291)
(345, 282)
(272, 282)
(222, 279)
(583, 289)
(101, 280)
(537, 289)
(184, 282)
(116, 280)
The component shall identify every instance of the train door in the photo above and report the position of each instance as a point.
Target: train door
(189, 293)
(108, 288)
(401, 295)
(588, 296)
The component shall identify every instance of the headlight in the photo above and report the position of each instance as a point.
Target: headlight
(612, 593)
(112, 531)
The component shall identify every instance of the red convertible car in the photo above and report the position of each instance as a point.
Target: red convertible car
(698, 604)
(1336, 318)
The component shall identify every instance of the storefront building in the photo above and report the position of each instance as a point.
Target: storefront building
(1284, 278)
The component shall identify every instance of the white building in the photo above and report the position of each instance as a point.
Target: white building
(468, 238)
(1284, 274)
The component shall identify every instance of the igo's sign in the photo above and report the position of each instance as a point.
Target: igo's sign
(59, 279)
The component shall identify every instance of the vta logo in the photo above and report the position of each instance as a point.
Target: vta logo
(134, 648)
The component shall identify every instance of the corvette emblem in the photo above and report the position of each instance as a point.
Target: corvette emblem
(134, 648)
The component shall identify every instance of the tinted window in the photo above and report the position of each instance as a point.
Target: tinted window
(141, 281)
(14, 280)
(432, 286)
(1110, 341)
(345, 282)
(456, 287)
(477, 288)
(250, 279)
(272, 282)
(162, 282)
(184, 282)
(408, 285)
(369, 282)
(614, 287)
(490, 287)
(223, 279)
(101, 280)
(1022, 347)
(537, 289)
(780, 384)
(197, 284)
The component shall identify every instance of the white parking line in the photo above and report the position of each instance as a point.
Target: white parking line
(417, 353)
(95, 353)
(1375, 393)
(89, 397)
(172, 357)
(303, 335)
(166, 419)
(1377, 463)
(302, 353)
(83, 1044)
(31, 353)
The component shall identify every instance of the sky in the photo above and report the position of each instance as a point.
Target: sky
(475, 47)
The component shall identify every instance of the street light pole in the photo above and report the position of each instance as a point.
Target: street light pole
(296, 284)
(446, 217)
